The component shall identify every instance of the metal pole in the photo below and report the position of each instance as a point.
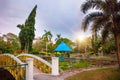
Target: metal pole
(46, 47)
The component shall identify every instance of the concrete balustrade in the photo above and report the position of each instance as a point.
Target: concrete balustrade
(55, 66)
(29, 69)
(29, 61)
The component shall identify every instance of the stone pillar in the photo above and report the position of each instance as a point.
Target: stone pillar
(29, 69)
(55, 66)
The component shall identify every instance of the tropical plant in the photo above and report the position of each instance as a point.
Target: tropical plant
(96, 44)
(58, 37)
(109, 45)
(27, 34)
(83, 46)
(9, 43)
(47, 40)
(66, 40)
(106, 18)
(47, 36)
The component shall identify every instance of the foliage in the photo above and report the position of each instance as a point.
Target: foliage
(34, 51)
(39, 44)
(96, 44)
(66, 40)
(58, 37)
(47, 36)
(109, 45)
(82, 45)
(27, 34)
(107, 19)
(45, 53)
(66, 65)
(9, 43)
(109, 74)
(47, 40)
(45, 43)
(58, 53)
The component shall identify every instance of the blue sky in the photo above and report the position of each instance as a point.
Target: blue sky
(58, 16)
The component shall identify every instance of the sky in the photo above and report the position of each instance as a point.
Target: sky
(58, 16)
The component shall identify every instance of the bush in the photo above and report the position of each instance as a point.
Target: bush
(43, 53)
(34, 51)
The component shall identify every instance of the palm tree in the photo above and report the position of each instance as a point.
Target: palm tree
(47, 36)
(106, 19)
(58, 37)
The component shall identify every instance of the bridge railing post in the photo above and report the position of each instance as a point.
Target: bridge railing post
(29, 69)
(55, 66)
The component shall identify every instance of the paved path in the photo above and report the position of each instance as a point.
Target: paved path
(63, 75)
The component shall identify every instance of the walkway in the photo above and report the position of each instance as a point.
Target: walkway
(63, 75)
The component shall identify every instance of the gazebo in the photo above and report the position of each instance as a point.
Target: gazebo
(63, 47)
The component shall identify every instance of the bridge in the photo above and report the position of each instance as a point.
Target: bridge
(22, 66)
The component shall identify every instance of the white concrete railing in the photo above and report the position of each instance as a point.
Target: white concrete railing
(29, 66)
(36, 57)
(54, 66)
(14, 58)
(13, 65)
(29, 69)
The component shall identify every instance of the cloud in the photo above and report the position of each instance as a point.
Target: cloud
(59, 16)
(62, 16)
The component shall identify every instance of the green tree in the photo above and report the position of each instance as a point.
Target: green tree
(83, 46)
(108, 46)
(58, 37)
(107, 19)
(47, 36)
(27, 32)
(96, 44)
(9, 43)
(13, 41)
(40, 44)
(66, 40)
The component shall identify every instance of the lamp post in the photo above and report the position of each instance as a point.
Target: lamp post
(46, 46)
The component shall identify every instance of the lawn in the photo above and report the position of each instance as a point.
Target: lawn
(66, 65)
(99, 74)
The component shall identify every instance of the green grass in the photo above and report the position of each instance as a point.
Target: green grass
(100, 74)
(66, 65)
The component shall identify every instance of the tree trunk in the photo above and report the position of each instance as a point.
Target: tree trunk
(118, 48)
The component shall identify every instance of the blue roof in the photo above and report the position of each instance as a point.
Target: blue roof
(63, 47)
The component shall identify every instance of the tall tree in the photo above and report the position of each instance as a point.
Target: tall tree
(66, 40)
(9, 43)
(27, 32)
(107, 19)
(47, 36)
(58, 37)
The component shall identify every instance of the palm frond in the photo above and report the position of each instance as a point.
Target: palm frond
(99, 22)
(106, 30)
(111, 6)
(89, 18)
(91, 4)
